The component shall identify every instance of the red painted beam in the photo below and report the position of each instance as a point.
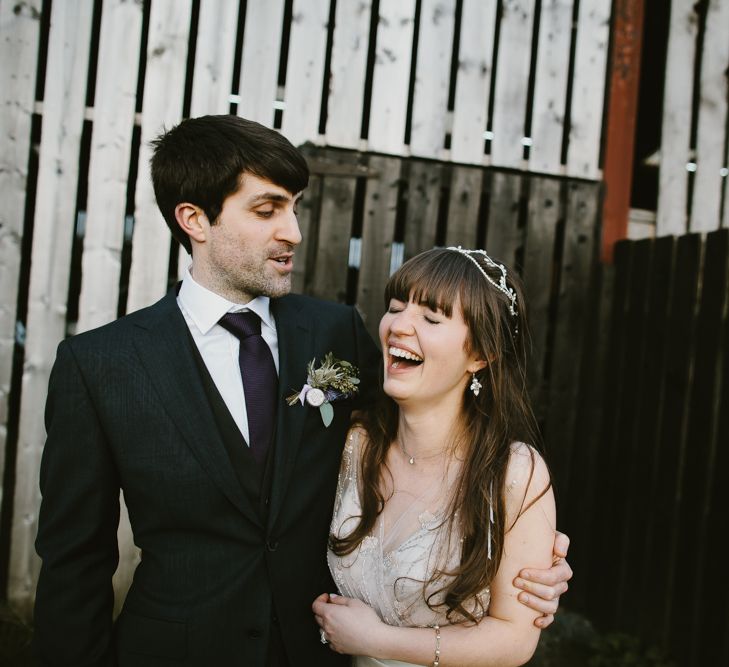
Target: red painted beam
(621, 121)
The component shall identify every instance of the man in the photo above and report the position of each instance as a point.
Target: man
(181, 406)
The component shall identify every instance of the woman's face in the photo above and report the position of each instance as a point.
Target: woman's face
(425, 354)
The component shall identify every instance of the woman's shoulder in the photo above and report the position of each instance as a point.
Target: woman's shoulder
(527, 475)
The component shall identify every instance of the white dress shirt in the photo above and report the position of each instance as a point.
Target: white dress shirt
(218, 347)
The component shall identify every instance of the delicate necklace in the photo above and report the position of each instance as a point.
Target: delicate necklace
(411, 458)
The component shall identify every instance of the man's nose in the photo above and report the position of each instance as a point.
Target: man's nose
(289, 231)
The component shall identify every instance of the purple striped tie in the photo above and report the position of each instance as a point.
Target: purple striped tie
(260, 381)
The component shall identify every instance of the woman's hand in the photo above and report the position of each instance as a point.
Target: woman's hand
(350, 626)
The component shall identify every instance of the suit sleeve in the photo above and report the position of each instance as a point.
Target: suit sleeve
(369, 363)
(77, 526)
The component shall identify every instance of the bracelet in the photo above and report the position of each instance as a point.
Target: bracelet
(436, 660)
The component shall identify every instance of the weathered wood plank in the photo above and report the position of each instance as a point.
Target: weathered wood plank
(550, 86)
(588, 90)
(504, 236)
(512, 83)
(53, 228)
(432, 78)
(260, 60)
(378, 230)
(348, 69)
(308, 217)
(463, 206)
(676, 128)
(213, 73)
(473, 80)
(116, 86)
(388, 104)
(423, 198)
(164, 90)
(305, 70)
(19, 34)
(712, 122)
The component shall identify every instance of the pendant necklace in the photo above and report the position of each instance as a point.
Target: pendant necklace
(411, 458)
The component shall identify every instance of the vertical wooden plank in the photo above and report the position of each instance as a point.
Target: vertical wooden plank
(348, 69)
(512, 83)
(580, 232)
(714, 618)
(676, 128)
(164, 90)
(504, 236)
(588, 88)
(713, 120)
(389, 101)
(308, 217)
(473, 80)
(260, 60)
(432, 78)
(19, 34)
(542, 219)
(305, 70)
(621, 119)
(64, 102)
(378, 230)
(421, 218)
(116, 86)
(700, 452)
(550, 86)
(214, 56)
(463, 206)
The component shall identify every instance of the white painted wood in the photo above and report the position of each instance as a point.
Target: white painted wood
(432, 78)
(676, 128)
(473, 80)
(305, 70)
(64, 104)
(19, 33)
(388, 106)
(712, 121)
(164, 90)
(512, 83)
(116, 84)
(550, 86)
(259, 65)
(348, 70)
(588, 90)
(214, 57)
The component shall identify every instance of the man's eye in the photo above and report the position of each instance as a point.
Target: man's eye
(264, 213)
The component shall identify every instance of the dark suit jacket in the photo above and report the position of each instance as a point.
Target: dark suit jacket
(126, 409)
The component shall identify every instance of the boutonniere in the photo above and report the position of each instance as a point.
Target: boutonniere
(333, 380)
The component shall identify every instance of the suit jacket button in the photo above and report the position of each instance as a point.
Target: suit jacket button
(255, 633)
(272, 545)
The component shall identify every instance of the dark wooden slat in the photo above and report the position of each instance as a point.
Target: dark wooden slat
(378, 230)
(542, 219)
(421, 219)
(463, 206)
(308, 216)
(713, 617)
(504, 237)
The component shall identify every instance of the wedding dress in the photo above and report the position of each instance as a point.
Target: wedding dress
(389, 567)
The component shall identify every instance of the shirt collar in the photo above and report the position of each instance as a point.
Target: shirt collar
(205, 307)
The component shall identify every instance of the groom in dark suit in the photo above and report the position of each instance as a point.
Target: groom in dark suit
(182, 407)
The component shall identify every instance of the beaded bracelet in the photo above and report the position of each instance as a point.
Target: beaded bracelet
(436, 660)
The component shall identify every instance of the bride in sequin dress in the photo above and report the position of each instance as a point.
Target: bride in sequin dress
(440, 503)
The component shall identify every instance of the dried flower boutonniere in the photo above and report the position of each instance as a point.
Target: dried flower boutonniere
(333, 380)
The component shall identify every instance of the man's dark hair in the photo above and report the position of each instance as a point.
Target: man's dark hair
(202, 160)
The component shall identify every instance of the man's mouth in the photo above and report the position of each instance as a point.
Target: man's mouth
(284, 260)
(400, 358)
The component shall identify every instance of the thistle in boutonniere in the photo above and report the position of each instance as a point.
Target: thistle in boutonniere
(333, 380)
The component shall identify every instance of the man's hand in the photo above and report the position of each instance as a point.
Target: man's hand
(541, 588)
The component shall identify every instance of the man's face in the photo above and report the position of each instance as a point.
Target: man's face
(249, 250)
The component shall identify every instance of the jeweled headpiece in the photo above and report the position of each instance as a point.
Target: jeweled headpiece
(501, 284)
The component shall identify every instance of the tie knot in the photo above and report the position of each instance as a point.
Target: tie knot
(242, 325)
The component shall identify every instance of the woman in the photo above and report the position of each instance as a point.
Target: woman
(440, 503)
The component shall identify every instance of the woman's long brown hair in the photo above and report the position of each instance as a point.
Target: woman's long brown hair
(499, 416)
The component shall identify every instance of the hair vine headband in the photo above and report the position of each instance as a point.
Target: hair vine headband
(501, 285)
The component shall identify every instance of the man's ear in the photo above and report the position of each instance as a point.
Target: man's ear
(192, 221)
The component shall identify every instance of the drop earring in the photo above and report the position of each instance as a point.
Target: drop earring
(475, 385)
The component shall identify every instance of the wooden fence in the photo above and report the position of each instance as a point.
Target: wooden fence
(647, 501)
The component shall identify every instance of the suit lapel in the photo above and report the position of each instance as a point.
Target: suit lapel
(162, 342)
(295, 350)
